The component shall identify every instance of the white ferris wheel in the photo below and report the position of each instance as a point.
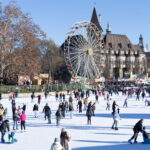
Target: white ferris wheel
(83, 51)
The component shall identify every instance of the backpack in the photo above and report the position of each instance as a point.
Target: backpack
(1, 112)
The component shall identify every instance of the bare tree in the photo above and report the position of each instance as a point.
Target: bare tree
(19, 42)
(51, 59)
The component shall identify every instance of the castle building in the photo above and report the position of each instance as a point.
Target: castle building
(121, 57)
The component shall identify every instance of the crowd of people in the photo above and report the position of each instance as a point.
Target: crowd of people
(78, 100)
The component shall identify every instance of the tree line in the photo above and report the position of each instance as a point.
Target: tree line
(25, 49)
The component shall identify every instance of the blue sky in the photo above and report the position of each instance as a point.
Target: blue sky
(55, 17)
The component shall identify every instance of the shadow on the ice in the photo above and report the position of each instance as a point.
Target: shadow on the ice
(113, 133)
(40, 124)
(125, 116)
(115, 147)
(91, 141)
(85, 127)
(90, 127)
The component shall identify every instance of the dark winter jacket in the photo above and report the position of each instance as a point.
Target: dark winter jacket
(71, 107)
(39, 97)
(70, 99)
(63, 107)
(63, 96)
(146, 135)
(89, 112)
(56, 95)
(16, 117)
(32, 96)
(35, 108)
(4, 126)
(80, 104)
(64, 139)
(47, 110)
(24, 108)
(138, 127)
(96, 97)
(58, 114)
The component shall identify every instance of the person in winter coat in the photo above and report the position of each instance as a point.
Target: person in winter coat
(85, 102)
(0, 96)
(137, 128)
(11, 137)
(13, 104)
(108, 105)
(5, 113)
(66, 107)
(39, 99)
(125, 102)
(32, 97)
(63, 97)
(46, 94)
(93, 109)
(56, 96)
(1, 106)
(146, 135)
(60, 97)
(89, 114)
(71, 109)
(1, 113)
(23, 119)
(63, 109)
(116, 117)
(16, 118)
(143, 95)
(47, 111)
(58, 116)
(56, 145)
(80, 106)
(4, 127)
(64, 139)
(24, 107)
(19, 110)
(35, 110)
(114, 105)
(96, 98)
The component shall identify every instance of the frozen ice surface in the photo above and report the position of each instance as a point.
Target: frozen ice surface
(39, 134)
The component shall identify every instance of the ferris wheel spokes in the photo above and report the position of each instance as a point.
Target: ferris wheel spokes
(83, 50)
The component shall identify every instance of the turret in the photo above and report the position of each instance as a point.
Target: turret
(94, 19)
(108, 30)
(141, 43)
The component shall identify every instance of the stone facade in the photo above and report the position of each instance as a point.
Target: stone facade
(121, 57)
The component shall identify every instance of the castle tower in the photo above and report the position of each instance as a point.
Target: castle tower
(108, 30)
(141, 43)
(94, 19)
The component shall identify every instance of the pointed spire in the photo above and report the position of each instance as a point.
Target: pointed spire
(141, 38)
(94, 19)
(108, 30)
(141, 43)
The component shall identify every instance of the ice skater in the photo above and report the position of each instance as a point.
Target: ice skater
(137, 128)
(125, 102)
(116, 118)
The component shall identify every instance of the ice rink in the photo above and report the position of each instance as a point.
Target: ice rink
(40, 135)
